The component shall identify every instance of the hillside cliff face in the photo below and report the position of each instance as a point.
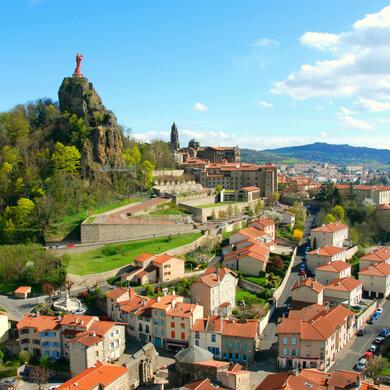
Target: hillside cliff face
(103, 143)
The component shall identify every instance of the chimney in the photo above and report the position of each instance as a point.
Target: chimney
(173, 292)
(94, 334)
(131, 293)
(158, 299)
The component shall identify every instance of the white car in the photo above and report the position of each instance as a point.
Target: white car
(380, 310)
(361, 364)
(379, 340)
(373, 348)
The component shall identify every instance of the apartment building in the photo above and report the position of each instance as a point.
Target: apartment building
(206, 333)
(312, 337)
(159, 310)
(332, 234)
(227, 339)
(215, 290)
(240, 340)
(376, 256)
(234, 176)
(100, 376)
(376, 280)
(325, 274)
(83, 340)
(265, 225)
(40, 335)
(344, 290)
(104, 341)
(250, 260)
(251, 233)
(179, 321)
(306, 292)
(324, 255)
(150, 268)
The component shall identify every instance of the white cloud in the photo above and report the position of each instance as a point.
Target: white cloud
(358, 66)
(321, 41)
(264, 104)
(266, 42)
(323, 134)
(374, 105)
(200, 107)
(348, 121)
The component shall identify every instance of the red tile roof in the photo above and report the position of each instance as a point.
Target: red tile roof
(23, 290)
(234, 328)
(99, 376)
(264, 221)
(344, 284)
(117, 293)
(327, 251)
(330, 227)
(308, 282)
(39, 322)
(143, 257)
(320, 327)
(77, 320)
(378, 255)
(209, 324)
(214, 276)
(382, 269)
(161, 259)
(202, 384)
(334, 266)
(182, 309)
(251, 232)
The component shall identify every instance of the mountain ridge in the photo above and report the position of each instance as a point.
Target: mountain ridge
(320, 152)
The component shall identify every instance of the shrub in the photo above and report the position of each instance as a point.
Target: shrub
(109, 250)
(8, 372)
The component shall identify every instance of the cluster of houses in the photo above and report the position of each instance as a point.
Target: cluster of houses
(172, 322)
(81, 339)
(249, 249)
(322, 323)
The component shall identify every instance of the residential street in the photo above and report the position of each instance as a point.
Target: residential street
(351, 354)
(266, 357)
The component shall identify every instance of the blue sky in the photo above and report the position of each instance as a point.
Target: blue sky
(259, 74)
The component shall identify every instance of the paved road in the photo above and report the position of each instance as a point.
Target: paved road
(351, 354)
(266, 357)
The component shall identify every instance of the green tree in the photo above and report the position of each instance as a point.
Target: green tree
(218, 188)
(66, 158)
(330, 218)
(145, 174)
(132, 156)
(338, 212)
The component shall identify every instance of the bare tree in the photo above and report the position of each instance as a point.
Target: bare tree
(68, 285)
(373, 368)
(48, 289)
(40, 376)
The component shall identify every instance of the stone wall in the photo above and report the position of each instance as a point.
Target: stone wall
(168, 172)
(100, 233)
(278, 292)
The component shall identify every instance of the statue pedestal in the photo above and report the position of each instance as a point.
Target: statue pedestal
(77, 74)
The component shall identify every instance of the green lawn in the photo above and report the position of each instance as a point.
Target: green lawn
(168, 211)
(118, 255)
(257, 280)
(248, 297)
(72, 222)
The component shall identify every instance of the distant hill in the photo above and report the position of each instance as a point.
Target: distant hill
(321, 152)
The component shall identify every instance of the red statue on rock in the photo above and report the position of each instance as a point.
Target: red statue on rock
(79, 59)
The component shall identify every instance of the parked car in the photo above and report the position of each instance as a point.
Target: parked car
(384, 332)
(368, 355)
(379, 340)
(379, 310)
(361, 332)
(301, 272)
(361, 364)
(289, 306)
(373, 348)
